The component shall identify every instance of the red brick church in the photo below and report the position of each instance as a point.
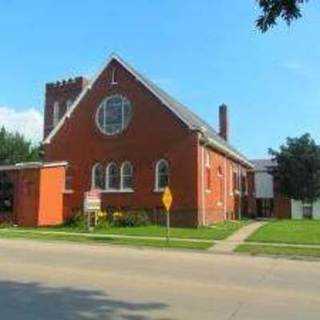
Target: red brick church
(122, 134)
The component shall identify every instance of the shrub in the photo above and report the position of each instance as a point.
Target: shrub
(103, 219)
(117, 219)
(78, 221)
(130, 219)
(137, 218)
(5, 225)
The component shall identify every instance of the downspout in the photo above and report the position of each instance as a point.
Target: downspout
(240, 192)
(202, 187)
(203, 207)
(225, 188)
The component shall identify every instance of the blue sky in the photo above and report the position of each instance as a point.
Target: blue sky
(202, 52)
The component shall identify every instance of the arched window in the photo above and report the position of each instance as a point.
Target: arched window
(126, 175)
(221, 185)
(69, 103)
(114, 114)
(113, 176)
(98, 177)
(220, 172)
(69, 178)
(113, 77)
(162, 175)
(55, 114)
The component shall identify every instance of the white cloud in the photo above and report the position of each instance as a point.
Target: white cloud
(293, 65)
(298, 68)
(28, 122)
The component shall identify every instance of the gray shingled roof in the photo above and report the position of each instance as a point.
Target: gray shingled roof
(183, 113)
(188, 116)
(262, 164)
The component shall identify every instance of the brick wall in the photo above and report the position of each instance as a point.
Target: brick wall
(217, 198)
(153, 133)
(60, 92)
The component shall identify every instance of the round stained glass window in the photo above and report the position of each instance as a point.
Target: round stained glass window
(114, 114)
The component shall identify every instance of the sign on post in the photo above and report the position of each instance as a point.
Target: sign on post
(167, 201)
(92, 204)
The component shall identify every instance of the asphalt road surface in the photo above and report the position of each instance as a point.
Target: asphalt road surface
(40, 280)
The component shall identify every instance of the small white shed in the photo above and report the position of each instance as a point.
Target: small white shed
(298, 211)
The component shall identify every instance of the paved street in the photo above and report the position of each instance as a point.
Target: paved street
(40, 280)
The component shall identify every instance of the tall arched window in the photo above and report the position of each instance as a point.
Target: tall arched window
(55, 114)
(113, 176)
(162, 175)
(69, 103)
(98, 177)
(126, 175)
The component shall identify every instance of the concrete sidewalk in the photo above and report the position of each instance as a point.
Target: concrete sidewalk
(229, 244)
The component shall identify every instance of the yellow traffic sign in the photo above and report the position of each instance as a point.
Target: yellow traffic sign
(167, 198)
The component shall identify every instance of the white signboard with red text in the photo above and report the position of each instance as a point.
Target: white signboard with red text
(92, 201)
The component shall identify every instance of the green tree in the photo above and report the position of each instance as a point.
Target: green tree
(297, 174)
(15, 148)
(273, 10)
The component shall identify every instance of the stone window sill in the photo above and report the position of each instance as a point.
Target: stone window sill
(69, 191)
(117, 191)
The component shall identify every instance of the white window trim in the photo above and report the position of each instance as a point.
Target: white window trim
(68, 191)
(208, 159)
(208, 167)
(231, 180)
(208, 190)
(113, 81)
(93, 170)
(107, 188)
(236, 189)
(103, 105)
(117, 191)
(122, 176)
(69, 103)
(156, 181)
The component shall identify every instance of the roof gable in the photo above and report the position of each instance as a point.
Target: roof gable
(188, 117)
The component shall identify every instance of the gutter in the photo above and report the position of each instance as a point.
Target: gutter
(215, 144)
(33, 165)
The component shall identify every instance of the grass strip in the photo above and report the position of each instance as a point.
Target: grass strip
(218, 231)
(288, 232)
(89, 238)
(276, 250)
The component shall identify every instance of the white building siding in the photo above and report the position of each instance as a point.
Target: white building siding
(297, 210)
(263, 185)
(316, 210)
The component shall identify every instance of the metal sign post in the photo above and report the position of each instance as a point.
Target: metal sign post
(92, 204)
(167, 201)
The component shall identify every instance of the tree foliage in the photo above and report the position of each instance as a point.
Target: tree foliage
(297, 173)
(272, 10)
(14, 148)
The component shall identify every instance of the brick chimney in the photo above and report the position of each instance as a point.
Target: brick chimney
(60, 94)
(224, 122)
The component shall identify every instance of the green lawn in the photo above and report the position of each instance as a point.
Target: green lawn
(289, 231)
(92, 238)
(217, 231)
(273, 250)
